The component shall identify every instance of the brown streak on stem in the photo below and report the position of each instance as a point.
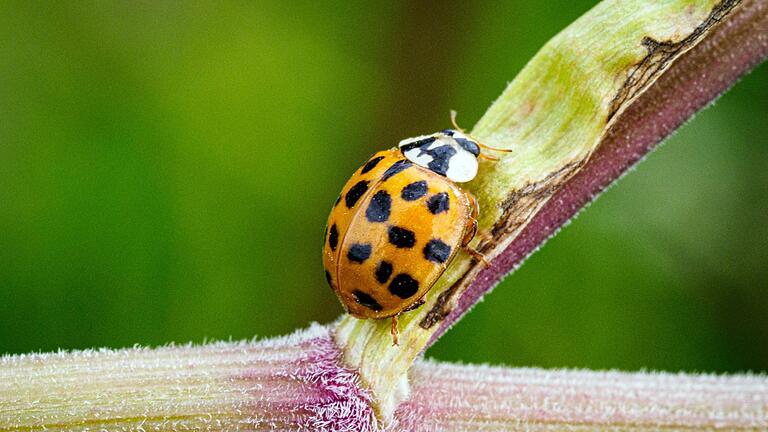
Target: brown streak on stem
(517, 208)
(661, 54)
(520, 203)
(442, 309)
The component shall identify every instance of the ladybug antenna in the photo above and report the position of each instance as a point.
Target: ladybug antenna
(453, 121)
(481, 145)
(488, 157)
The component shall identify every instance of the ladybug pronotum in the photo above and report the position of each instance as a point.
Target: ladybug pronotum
(398, 223)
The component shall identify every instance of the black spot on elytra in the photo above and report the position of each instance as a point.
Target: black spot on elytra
(383, 271)
(468, 145)
(437, 251)
(328, 278)
(333, 237)
(414, 191)
(395, 168)
(440, 157)
(449, 132)
(371, 164)
(355, 192)
(438, 203)
(359, 252)
(379, 207)
(403, 286)
(366, 300)
(401, 237)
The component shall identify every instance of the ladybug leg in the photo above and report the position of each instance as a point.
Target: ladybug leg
(478, 256)
(394, 330)
(471, 229)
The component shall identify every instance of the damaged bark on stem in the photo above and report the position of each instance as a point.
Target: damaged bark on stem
(589, 105)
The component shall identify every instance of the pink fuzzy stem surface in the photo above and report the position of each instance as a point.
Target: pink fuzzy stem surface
(693, 81)
(450, 397)
(296, 383)
(289, 383)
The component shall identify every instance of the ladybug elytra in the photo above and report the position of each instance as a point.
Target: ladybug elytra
(398, 223)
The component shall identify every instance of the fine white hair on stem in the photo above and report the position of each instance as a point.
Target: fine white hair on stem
(296, 383)
(564, 111)
(451, 397)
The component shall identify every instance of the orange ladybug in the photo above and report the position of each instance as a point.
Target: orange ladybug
(398, 223)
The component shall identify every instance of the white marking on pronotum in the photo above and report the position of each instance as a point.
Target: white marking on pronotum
(429, 151)
(462, 167)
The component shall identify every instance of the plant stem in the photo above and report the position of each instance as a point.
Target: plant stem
(295, 383)
(599, 96)
(591, 103)
(452, 397)
(696, 79)
(288, 383)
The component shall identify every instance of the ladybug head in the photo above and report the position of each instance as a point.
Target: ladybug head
(449, 153)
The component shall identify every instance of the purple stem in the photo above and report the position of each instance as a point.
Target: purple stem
(448, 397)
(731, 50)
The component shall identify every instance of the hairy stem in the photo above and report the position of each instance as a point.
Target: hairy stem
(590, 104)
(296, 383)
(291, 383)
(451, 397)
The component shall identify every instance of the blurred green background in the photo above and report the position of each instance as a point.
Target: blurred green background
(166, 170)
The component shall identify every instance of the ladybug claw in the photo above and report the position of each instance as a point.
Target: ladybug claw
(394, 331)
(478, 256)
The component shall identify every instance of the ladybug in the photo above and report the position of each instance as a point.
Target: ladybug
(399, 221)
